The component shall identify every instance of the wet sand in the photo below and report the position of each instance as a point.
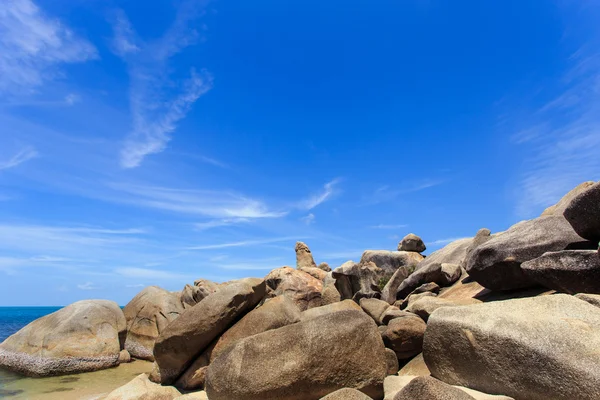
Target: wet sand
(88, 386)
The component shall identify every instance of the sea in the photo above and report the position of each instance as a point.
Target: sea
(87, 386)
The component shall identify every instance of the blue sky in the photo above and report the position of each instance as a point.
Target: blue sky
(164, 141)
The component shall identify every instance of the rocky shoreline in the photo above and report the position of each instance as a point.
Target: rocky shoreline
(513, 314)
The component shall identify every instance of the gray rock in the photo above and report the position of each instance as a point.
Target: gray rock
(425, 306)
(147, 315)
(533, 348)
(304, 258)
(482, 236)
(441, 274)
(185, 338)
(412, 242)
(346, 394)
(81, 337)
(560, 207)
(404, 335)
(412, 298)
(496, 264)
(358, 280)
(374, 308)
(304, 289)
(388, 293)
(390, 261)
(391, 313)
(452, 253)
(307, 360)
(392, 362)
(583, 213)
(426, 387)
(324, 266)
(569, 271)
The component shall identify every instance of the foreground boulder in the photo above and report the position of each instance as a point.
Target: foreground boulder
(535, 348)
(186, 337)
(390, 261)
(496, 264)
(583, 213)
(148, 314)
(304, 361)
(81, 337)
(304, 258)
(357, 281)
(426, 387)
(304, 289)
(570, 271)
(412, 242)
(404, 335)
(346, 394)
(141, 388)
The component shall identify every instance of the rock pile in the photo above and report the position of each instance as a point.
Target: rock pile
(396, 325)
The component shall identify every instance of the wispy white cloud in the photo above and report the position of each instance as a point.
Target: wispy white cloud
(563, 148)
(244, 243)
(33, 45)
(156, 108)
(329, 189)
(384, 226)
(152, 274)
(308, 219)
(22, 156)
(86, 286)
(227, 206)
(135, 285)
(388, 193)
(216, 223)
(441, 242)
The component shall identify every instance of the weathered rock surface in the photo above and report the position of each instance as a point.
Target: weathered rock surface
(303, 289)
(357, 281)
(569, 271)
(593, 299)
(195, 375)
(328, 309)
(535, 348)
(187, 336)
(84, 336)
(441, 274)
(374, 308)
(147, 315)
(330, 293)
(307, 360)
(304, 258)
(388, 293)
(394, 384)
(201, 395)
(496, 264)
(425, 306)
(140, 388)
(412, 298)
(560, 207)
(124, 357)
(452, 253)
(390, 261)
(273, 314)
(583, 213)
(324, 266)
(415, 367)
(426, 387)
(346, 394)
(392, 362)
(393, 312)
(412, 242)
(404, 335)
(314, 272)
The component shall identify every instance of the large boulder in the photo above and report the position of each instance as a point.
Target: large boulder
(426, 387)
(569, 271)
(84, 336)
(374, 308)
(496, 264)
(453, 253)
(304, 361)
(388, 293)
(304, 258)
(186, 337)
(404, 335)
(346, 394)
(560, 207)
(273, 314)
(583, 213)
(357, 281)
(148, 314)
(425, 306)
(534, 348)
(593, 299)
(304, 289)
(140, 388)
(440, 274)
(412, 242)
(192, 295)
(328, 309)
(390, 261)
